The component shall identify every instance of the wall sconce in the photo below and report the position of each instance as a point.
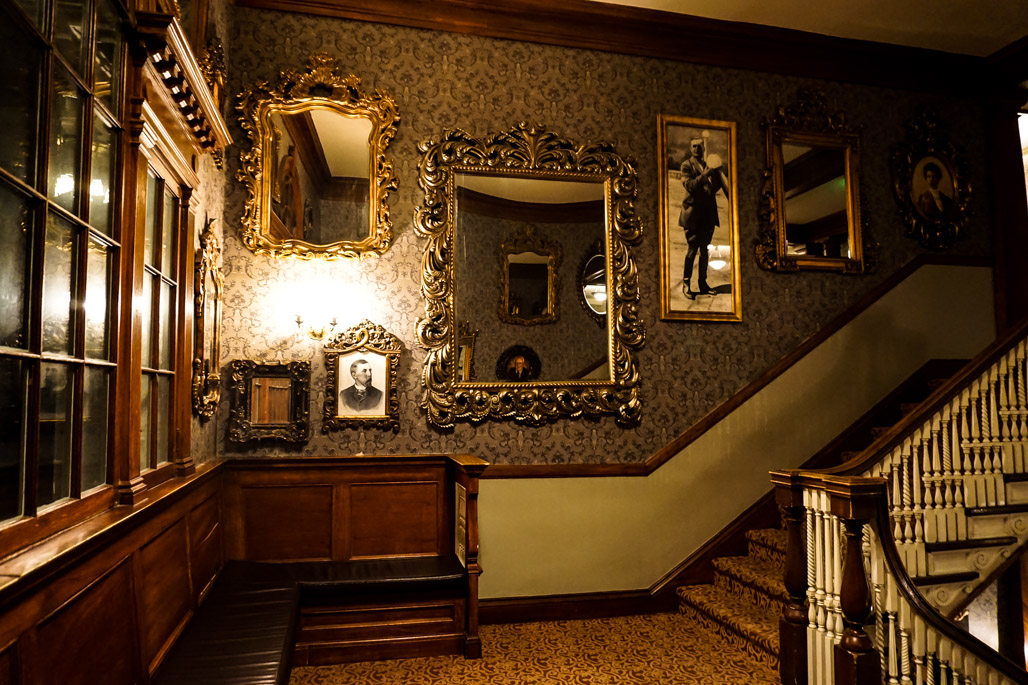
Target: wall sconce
(315, 332)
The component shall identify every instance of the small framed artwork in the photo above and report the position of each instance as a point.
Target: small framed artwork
(361, 366)
(518, 363)
(929, 181)
(699, 225)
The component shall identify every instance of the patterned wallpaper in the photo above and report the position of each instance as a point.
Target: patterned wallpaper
(485, 85)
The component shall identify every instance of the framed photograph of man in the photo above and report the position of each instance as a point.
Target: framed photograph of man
(699, 224)
(929, 181)
(361, 365)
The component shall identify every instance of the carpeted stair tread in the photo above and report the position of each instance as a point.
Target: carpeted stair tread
(759, 578)
(768, 544)
(734, 618)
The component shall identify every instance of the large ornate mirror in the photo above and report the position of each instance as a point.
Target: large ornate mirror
(543, 204)
(269, 401)
(316, 175)
(810, 204)
(207, 289)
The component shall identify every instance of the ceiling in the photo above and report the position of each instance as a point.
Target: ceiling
(969, 27)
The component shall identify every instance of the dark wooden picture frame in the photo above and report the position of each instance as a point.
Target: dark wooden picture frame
(369, 346)
(241, 427)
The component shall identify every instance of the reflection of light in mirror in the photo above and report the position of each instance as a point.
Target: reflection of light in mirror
(597, 293)
(64, 184)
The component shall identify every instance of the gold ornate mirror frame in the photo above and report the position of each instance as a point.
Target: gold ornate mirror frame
(526, 151)
(528, 240)
(207, 352)
(319, 86)
(810, 123)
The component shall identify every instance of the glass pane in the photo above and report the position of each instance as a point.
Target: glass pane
(16, 220)
(163, 418)
(144, 424)
(146, 318)
(58, 280)
(65, 141)
(98, 283)
(107, 64)
(21, 62)
(168, 235)
(14, 383)
(151, 211)
(100, 204)
(55, 398)
(94, 428)
(165, 324)
(34, 9)
(70, 32)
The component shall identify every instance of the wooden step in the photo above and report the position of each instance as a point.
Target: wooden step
(994, 511)
(733, 618)
(973, 543)
(943, 578)
(768, 544)
(1015, 477)
(758, 580)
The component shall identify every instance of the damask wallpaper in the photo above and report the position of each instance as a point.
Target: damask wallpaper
(484, 85)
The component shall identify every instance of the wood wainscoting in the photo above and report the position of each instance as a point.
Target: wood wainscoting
(103, 601)
(352, 509)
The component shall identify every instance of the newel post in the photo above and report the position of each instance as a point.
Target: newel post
(792, 625)
(854, 501)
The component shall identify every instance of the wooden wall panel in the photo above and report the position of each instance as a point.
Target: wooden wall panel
(90, 639)
(394, 519)
(162, 591)
(8, 664)
(204, 546)
(288, 522)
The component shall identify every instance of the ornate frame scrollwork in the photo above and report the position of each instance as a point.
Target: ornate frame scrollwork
(319, 86)
(206, 384)
(528, 240)
(240, 426)
(810, 122)
(366, 338)
(527, 151)
(926, 140)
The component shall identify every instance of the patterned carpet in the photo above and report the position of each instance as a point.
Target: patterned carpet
(630, 650)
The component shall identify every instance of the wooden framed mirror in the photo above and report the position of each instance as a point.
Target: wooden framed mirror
(565, 198)
(810, 209)
(269, 401)
(316, 174)
(208, 285)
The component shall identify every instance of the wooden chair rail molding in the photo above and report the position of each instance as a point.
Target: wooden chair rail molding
(732, 403)
(667, 35)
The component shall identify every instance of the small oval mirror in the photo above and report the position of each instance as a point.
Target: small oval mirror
(594, 285)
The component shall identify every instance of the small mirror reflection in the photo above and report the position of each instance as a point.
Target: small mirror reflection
(528, 276)
(319, 167)
(594, 284)
(270, 400)
(814, 185)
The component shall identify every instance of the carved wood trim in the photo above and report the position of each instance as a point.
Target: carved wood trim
(654, 33)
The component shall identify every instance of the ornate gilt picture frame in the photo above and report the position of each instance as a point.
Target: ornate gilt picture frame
(528, 152)
(930, 184)
(699, 220)
(361, 365)
(208, 284)
(549, 254)
(253, 387)
(320, 87)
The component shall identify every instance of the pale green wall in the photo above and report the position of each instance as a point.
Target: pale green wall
(556, 536)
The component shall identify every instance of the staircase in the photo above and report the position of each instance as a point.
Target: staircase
(745, 601)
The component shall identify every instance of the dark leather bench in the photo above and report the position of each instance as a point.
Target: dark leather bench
(245, 630)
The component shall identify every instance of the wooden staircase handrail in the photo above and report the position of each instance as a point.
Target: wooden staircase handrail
(981, 651)
(942, 395)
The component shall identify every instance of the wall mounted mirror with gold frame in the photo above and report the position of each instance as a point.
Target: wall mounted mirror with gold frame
(316, 174)
(207, 295)
(478, 192)
(810, 209)
(269, 401)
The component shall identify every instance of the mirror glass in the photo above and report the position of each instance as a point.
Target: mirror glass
(537, 227)
(318, 165)
(594, 284)
(270, 403)
(814, 188)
